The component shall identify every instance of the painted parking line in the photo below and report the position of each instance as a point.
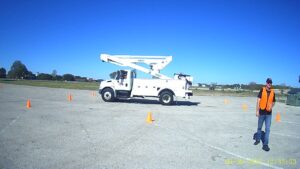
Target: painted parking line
(284, 135)
(242, 157)
(223, 150)
(290, 122)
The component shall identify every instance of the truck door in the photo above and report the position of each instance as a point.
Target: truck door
(124, 80)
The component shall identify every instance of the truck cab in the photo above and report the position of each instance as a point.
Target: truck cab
(118, 86)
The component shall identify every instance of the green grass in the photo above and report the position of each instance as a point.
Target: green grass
(95, 86)
(54, 84)
(198, 92)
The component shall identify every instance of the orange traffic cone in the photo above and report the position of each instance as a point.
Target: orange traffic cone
(278, 117)
(226, 101)
(70, 97)
(149, 118)
(245, 107)
(28, 105)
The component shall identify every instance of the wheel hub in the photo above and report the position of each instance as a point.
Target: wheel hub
(166, 98)
(107, 95)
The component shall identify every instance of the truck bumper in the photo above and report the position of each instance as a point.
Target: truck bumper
(188, 94)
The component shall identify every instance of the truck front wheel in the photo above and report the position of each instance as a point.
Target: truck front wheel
(108, 95)
(166, 98)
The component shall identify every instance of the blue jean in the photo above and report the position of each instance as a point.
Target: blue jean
(261, 119)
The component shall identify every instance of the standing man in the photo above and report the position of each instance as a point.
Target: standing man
(265, 103)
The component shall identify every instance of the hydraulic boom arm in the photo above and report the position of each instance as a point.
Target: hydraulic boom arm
(156, 63)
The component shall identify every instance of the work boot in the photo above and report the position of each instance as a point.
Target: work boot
(266, 148)
(256, 142)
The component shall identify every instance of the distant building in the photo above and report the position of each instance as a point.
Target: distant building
(202, 85)
(80, 79)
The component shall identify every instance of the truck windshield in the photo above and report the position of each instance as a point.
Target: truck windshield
(113, 75)
(120, 74)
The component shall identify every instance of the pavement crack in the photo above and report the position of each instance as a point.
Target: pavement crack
(10, 124)
(89, 139)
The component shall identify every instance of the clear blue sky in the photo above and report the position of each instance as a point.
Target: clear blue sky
(222, 41)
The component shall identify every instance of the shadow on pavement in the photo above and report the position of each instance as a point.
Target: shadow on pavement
(148, 101)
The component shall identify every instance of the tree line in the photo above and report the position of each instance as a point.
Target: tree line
(250, 86)
(19, 71)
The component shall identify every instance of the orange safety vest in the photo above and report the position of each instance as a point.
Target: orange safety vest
(265, 101)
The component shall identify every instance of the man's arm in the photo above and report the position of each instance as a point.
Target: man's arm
(257, 107)
(258, 101)
(273, 101)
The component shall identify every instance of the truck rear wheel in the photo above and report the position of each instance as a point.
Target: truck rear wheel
(108, 95)
(166, 98)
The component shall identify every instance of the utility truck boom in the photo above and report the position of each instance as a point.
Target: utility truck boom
(124, 84)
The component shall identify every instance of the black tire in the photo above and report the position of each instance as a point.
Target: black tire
(108, 95)
(166, 98)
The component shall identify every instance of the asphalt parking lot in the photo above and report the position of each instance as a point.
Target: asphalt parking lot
(204, 132)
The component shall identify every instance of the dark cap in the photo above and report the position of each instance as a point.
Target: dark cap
(269, 80)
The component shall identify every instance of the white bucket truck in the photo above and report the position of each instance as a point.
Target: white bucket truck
(124, 84)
